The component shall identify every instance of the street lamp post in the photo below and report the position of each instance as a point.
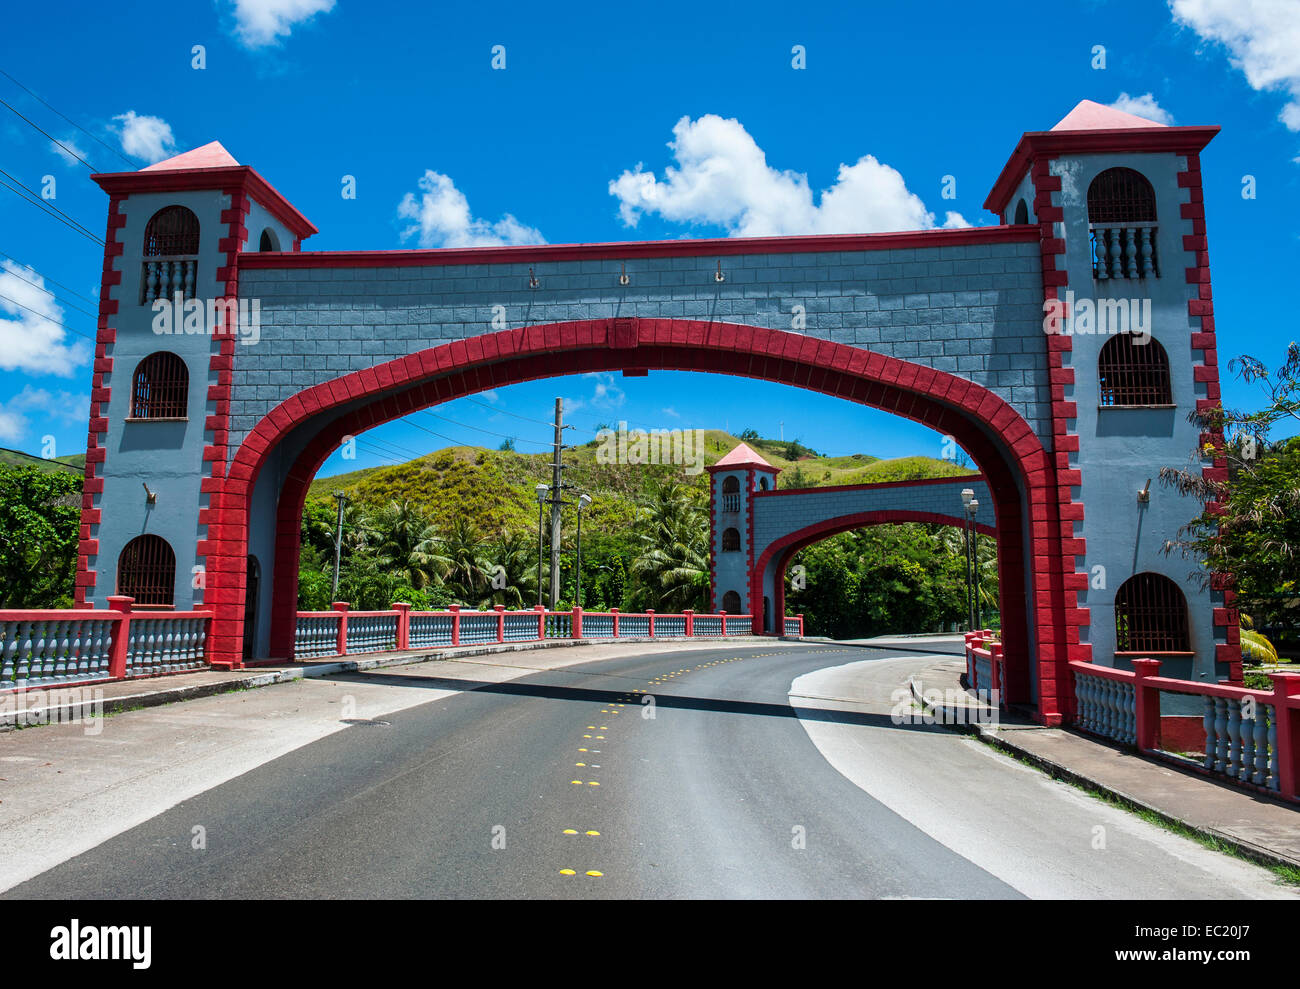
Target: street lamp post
(971, 509)
(967, 496)
(542, 489)
(583, 502)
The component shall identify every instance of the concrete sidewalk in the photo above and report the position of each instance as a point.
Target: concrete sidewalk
(64, 703)
(1262, 828)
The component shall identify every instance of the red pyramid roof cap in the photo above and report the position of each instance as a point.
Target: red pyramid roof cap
(744, 456)
(211, 155)
(1088, 115)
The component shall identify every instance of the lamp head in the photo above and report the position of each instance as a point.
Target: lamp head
(541, 492)
(966, 495)
(583, 501)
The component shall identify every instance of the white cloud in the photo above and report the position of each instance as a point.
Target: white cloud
(63, 407)
(1262, 38)
(671, 412)
(1144, 106)
(29, 340)
(67, 149)
(146, 137)
(722, 177)
(259, 23)
(443, 219)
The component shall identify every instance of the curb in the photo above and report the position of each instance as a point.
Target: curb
(994, 739)
(78, 710)
(82, 709)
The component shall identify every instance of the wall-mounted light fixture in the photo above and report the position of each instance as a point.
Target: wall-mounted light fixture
(1144, 496)
(150, 497)
(623, 277)
(532, 279)
(718, 276)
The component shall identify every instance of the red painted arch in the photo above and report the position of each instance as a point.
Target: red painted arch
(949, 404)
(788, 545)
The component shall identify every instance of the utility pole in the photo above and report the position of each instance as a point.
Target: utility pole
(557, 499)
(338, 543)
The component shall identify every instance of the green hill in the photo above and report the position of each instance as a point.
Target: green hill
(75, 463)
(496, 487)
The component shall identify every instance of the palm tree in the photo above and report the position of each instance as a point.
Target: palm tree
(512, 564)
(403, 532)
(458, 555)
(674, 559)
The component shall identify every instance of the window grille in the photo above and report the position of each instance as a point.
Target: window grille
(731, 541)
(1150, 616)
(146, 571)
(1121, 225)
(160, 389)
(171, 249)
(1132, 373)
(731, 603)
(730, 494)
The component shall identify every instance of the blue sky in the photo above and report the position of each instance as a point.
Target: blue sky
(570, 142)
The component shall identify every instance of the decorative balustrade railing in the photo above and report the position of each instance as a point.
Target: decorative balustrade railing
(985, 666)
(1251, 737)
(165, 278)
(371, 631)
(341, 632)
(85, 645)
(1123, 252)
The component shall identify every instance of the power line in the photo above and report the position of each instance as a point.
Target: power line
(48, 319)
(41, 288)
(54, 139)
(543, 422)
(490, 432)
(25, 194)
(93, 302)
(46, 203)
(133, 164)
(43, 460)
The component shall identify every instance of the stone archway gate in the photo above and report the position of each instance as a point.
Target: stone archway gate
(944, 327)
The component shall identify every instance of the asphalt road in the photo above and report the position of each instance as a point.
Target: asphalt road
(561, 784)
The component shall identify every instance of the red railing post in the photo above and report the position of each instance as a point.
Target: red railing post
(500, 609)
(651, 613)
(455, 623)
(121, 635)
(800, 617)
(995, 668)
(614, 612)
(1146, 704)
(722, 616)
(1286, 687)
(541, 621)
(341, 647)
(575, 630)
(689, 614)
(341, 642)
(403, 624)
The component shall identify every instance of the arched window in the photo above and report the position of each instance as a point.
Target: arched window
(1120, 197)
(731, 603)
(171, 255)
(146, 571)
(1134, 373)
(764, 483)
(731, 494)
(161, 387)
(269, 241)
(730, 540)
(1150, 616)
(1121, 224)
(1022, 213)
